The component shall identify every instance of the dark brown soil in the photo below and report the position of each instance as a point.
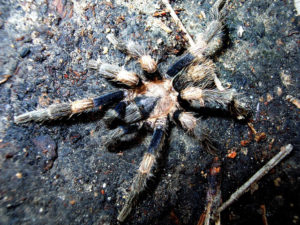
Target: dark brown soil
(60, 173)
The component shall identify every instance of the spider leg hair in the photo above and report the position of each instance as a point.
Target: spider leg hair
(196, 128)
(119, 74)
(148, 63)
(221, 8)
(116, 113)
(146, 166)
(121, 134)
(60, 110)
(115, 73)
(219, 5)
(209, 98)
(139, 108)
(135, 50)
(117, 43)
(199, 75)
(207, 43)
(239, 108)
(215, 99)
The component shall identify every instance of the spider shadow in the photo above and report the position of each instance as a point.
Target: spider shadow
(132, 140)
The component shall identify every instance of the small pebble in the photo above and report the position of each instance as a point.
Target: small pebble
(105, 50)
(24, 52)
(277, 182)
(72, 202)
(285, 79)
(269, 97)
(240, 31)
(279, 91)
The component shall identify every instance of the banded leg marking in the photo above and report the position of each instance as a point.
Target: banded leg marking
(146, 166)
(60, 110)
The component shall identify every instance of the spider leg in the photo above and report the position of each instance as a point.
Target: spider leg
(209, 98)
(196, 128)
(146, 166)
(139, 108)
(121, 134)
(116, 113)
(239, 109)
(199, 75)
(216, 99)
(135, 50)
(115, 73)
(60, 110)
(207, 43)
(131, 111)
(181, 63)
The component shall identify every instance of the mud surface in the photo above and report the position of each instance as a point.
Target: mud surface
(60, 173)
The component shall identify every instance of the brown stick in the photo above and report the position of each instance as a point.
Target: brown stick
(284, 151)
(178, 22)
(5, 78)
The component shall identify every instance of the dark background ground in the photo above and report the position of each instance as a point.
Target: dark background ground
(45, 46)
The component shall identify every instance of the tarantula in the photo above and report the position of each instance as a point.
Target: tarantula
(156, 99)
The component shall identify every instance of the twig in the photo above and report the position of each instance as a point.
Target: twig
(178, 22)
(284, 151)
(5, 78)
(264, 216)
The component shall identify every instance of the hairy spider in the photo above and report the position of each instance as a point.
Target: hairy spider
(155, 99)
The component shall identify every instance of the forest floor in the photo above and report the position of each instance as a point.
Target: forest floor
(59, 172)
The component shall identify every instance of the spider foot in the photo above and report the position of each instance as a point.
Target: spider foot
(146, 166)
(137, 51)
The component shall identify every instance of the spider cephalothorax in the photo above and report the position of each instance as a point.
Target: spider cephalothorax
(156, 101)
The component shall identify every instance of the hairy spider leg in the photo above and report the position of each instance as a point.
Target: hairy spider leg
(208, 98)
(227, 100)
(146, 167)
(140, 108)
(207, 44)
(57, 111)
(131, 111)
(115, 114)
(121, 134)
(136, 51)
(199, 75)
(115, 73)
(195, 128)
